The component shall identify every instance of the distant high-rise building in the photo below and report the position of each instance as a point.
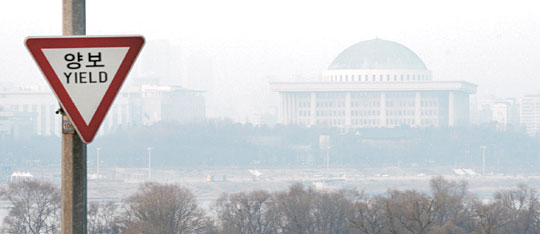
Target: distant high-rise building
(504, 113)
(375, 83)
(172, 103)
(32, 112)
(530, 113)
(28, 111)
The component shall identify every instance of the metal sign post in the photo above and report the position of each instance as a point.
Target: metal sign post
(74, 181)
(86, 74)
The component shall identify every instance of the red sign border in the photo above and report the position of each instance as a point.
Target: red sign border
(35, 46)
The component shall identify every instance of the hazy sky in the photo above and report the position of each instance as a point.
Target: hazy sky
(493, 44)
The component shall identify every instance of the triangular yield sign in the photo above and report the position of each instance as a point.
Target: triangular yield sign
(85, 73)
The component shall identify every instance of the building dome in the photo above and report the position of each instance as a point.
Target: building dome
(377, 54)
(377, 61)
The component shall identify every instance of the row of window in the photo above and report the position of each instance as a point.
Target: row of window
(366, 104)
(330, 113)
(365, 122)
(365, 113)
(400, 103)
(428, 112)
(400, 112)
(400, 121)
(330, 104)
(429, 103)
(388, 77)
(373, 122)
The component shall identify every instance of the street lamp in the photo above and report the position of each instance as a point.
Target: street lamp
(483, 160)
(324, 144)
(149, 149)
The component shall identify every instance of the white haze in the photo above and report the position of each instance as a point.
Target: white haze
(234, 48)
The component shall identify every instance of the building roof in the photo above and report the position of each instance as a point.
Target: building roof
(462, 86)
(377, 54)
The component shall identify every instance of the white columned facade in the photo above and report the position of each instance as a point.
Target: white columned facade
(283, 113)
(347, 110)
(382, 116)
(451, 108)
(313, 101)
(450, 92)
(417, 109)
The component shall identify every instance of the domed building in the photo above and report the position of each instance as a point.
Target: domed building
(375, 83)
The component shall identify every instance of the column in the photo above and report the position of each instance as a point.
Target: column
(48, 113)
(285, 109)
(451, 108)
(313, 101)
(382, 116)
(347, 110)
(128, 112)
(282, 108)
(294, 113)
(417, 109)
(289, 109)
(39, 123)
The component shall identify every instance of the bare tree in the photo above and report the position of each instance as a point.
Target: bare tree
(308, 211)
(520, 209)
(35, 207)
(488, 218)
(247, 213)
(158, 208)
(103, 218)
(366, 215)
(409, 211)
(452, 204)
(329, 212)
(295, 209)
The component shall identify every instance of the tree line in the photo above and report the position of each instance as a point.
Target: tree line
(157, 208)
(223, 143)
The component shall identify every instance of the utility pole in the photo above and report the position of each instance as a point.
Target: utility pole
(327, 158)
(324, 144)
(149, 149)
(74, 181)
(483, 160)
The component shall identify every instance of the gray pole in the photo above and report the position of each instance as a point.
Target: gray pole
(327, 158)
(149, 162)
(483, 160)
(74, 181)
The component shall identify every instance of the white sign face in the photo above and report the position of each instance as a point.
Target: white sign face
(86, 73)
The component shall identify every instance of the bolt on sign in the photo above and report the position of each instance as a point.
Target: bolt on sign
(85, 73)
